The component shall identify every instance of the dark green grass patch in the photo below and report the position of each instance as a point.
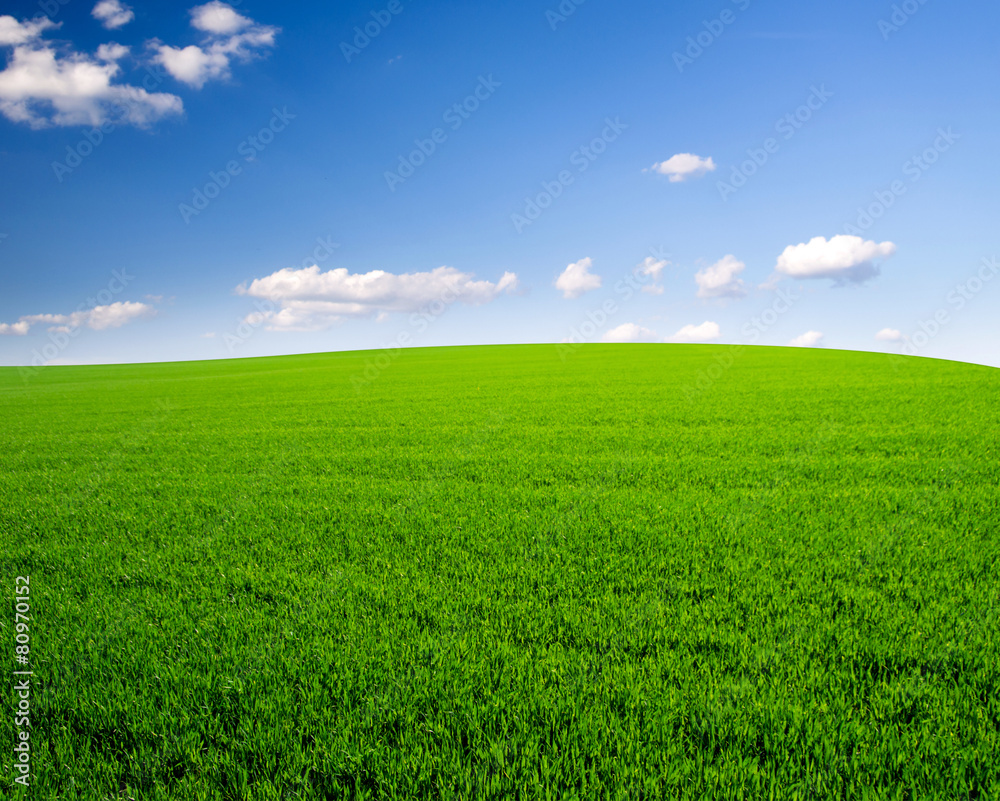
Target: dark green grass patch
(498, 573)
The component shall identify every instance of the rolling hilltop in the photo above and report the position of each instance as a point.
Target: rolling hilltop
(625, 571)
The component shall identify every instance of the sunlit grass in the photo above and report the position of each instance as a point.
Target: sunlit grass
(492, 572)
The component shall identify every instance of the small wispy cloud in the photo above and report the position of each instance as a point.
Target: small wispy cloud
(629, 332)
(705, 332)
(810, 339)
(721, 280)
(113, 14)
(682, 166)
(99, 318)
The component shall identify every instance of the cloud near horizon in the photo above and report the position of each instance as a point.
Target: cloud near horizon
(810, 339)
(843, 259)
(310, 300)
(99, 318)
(889, 335)
(630, 332)
(705, 332)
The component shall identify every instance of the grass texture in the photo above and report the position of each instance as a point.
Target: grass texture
(612, 571)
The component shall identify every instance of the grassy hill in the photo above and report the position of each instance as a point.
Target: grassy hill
(609, 571)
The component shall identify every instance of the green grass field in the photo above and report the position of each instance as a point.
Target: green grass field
(493, 572)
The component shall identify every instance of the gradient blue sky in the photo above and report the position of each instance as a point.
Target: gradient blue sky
(555, 82)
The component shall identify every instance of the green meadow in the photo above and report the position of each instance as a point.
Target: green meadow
(515, 572)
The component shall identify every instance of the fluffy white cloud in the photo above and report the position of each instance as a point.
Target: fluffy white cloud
(705, 332)
(15, 329)
(843, 258)
(310, 300)
(230, 36)
(889, 335)
(13, 32)
(720, 280)
(652, 268)
(192, 65)
(41, 87)
(112, 51)
(113, 14)
(217, 17)
(682, 166)
(629, 332)
(577, 279)
(810, 339)
(99, 318)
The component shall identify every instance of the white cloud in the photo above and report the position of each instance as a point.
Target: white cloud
(653, 268)
(230, 36)
(15, 329)
(843, 258)
(311, 300)
(192, 65)
(889, 335)
(116, 315)
(216, 17)
(705, 332)
(99, 318)
(42, 88)
(112, 51)
(629, 332)
(810, 339)
(682, 166)
(720, 280)
(577, 279)
(14, 33)
(113, 14)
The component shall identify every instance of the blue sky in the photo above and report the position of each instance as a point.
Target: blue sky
(259, 188)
